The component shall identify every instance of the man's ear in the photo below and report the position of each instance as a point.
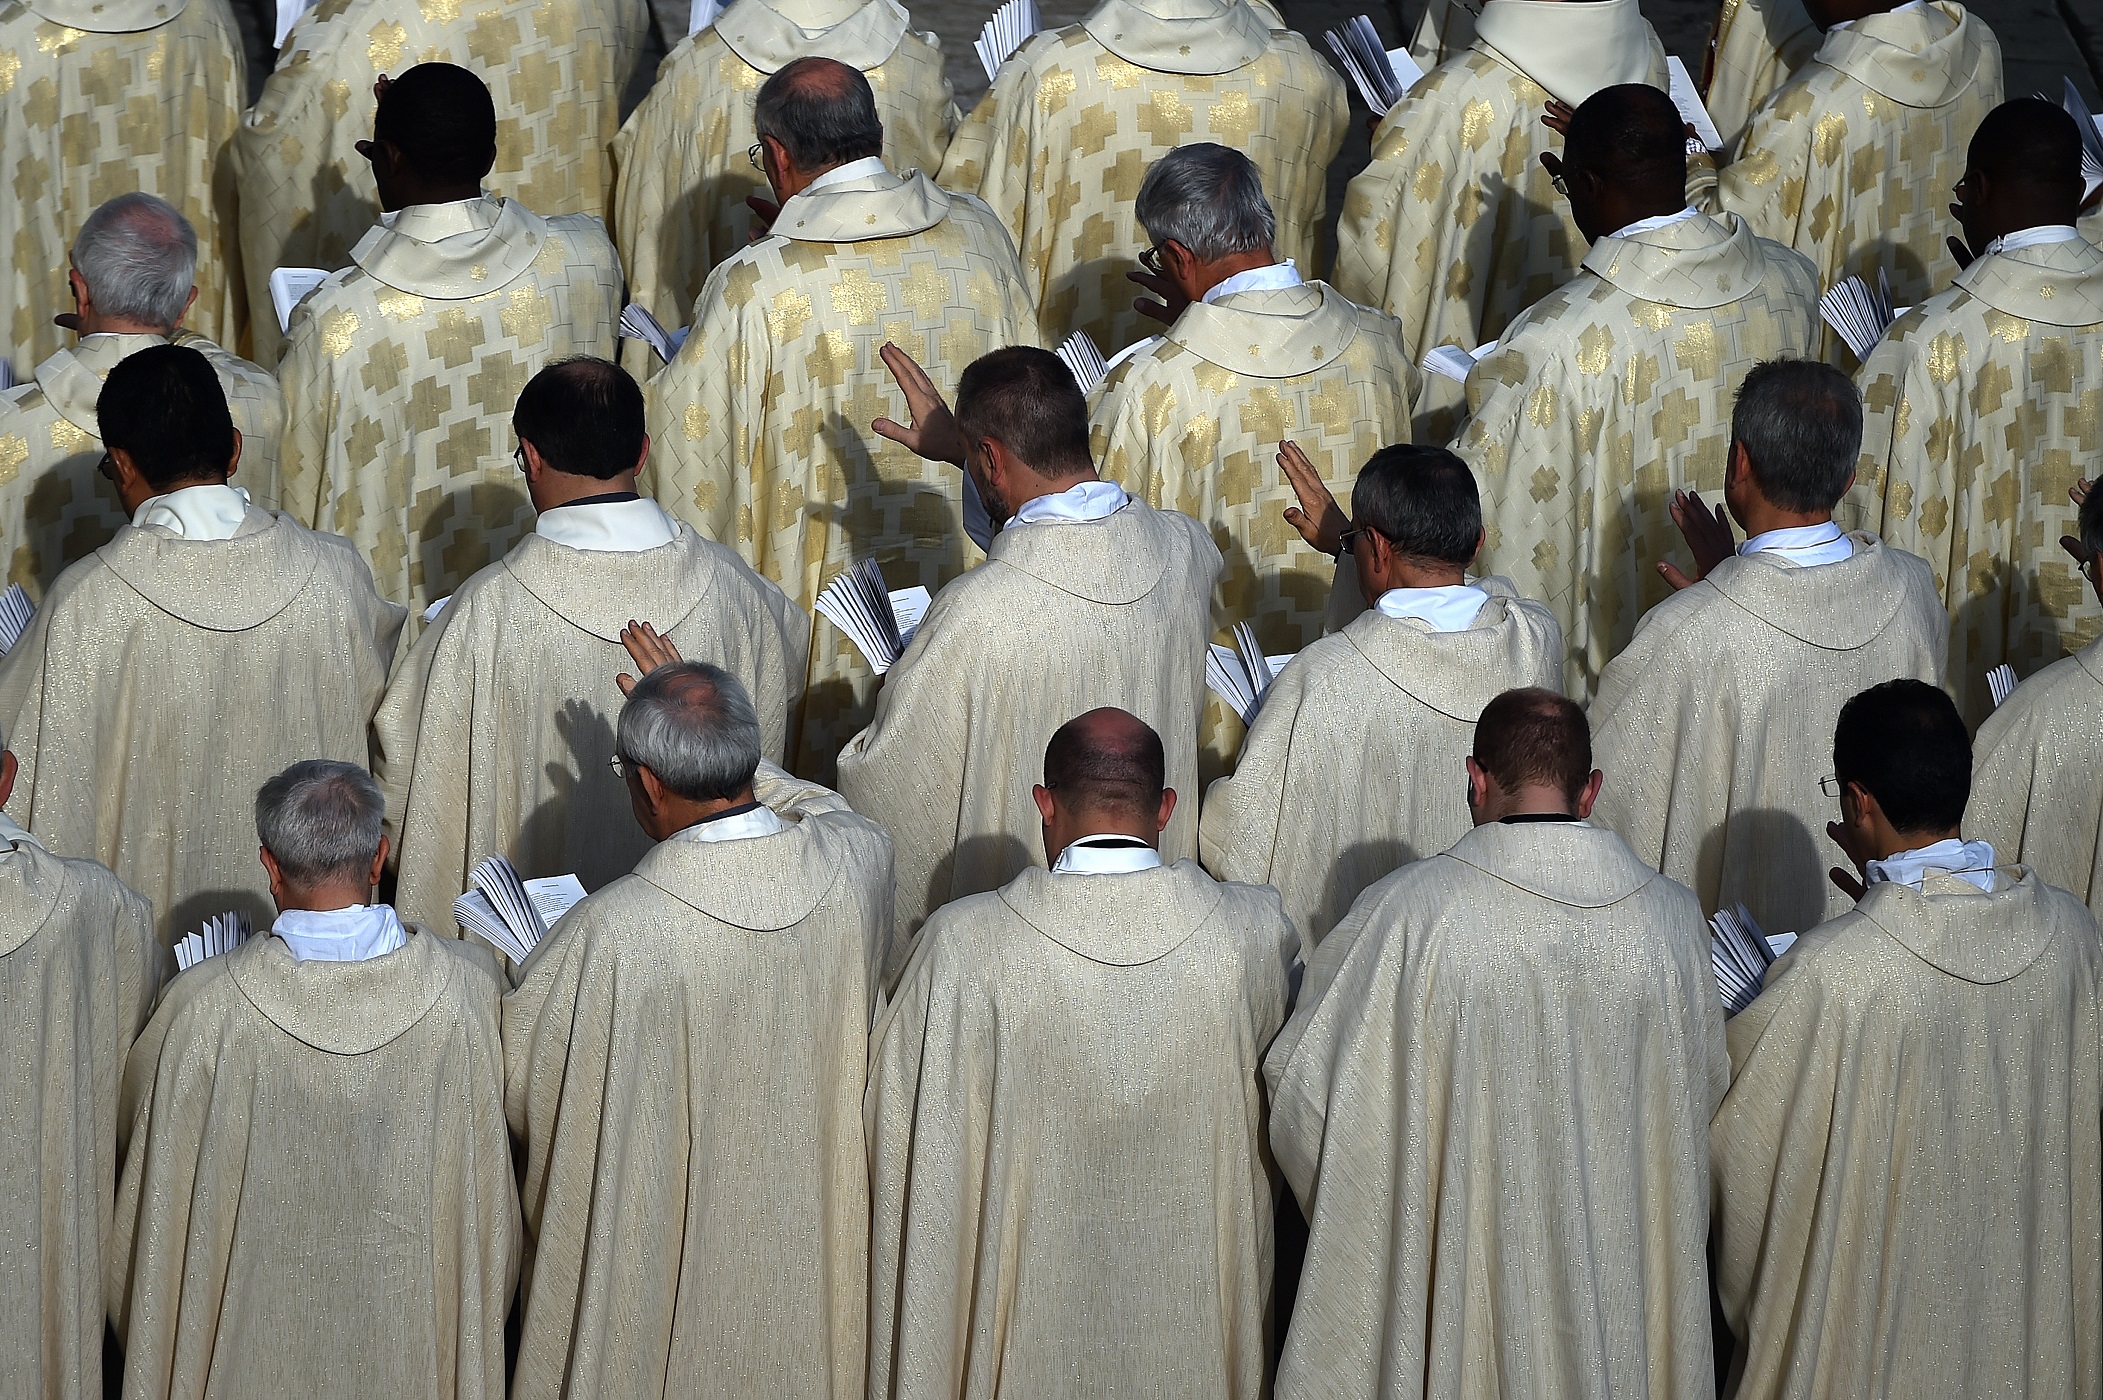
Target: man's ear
(233, 463)
(379, 866)
(1168, 809)
(653, 789)
(1046, 803)
(188, 302)
(644, 455)
(9, 767)
(1478, 784)
(1590, 794)
(277, 876)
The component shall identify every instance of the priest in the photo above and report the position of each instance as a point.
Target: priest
(1614, 391)
(1347, 772)
(557, 67)
(1253, 354)
(1847, 162)
(402, 369)
(1754, 48)
(172, 670)
(1492, 1101)
(312, 1137)
(1455, 227)
(1984, 408)
(2035, 796)
(1908, 1171)
(1060, 144)
(79, 967)
(134, 281)
(1087, 597)
(760, 423)
(496, 732)
(1702, 719)
(756, 923)
(1070, 1188)
(680, 161)
(98, 97)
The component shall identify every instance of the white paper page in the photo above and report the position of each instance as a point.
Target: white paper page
(288, 13)
(15, 613)
(431, 613)
(1407, 73)
(7, 375)
(1080, 355)
(2000, 681)
(909, 605)
(1454, 362)
(553, 896)
(1227, 678)
(1780, 943)
(1688, 99)
(288, 287)
(703, 15)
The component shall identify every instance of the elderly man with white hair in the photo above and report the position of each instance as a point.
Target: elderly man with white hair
(1253, 355)
(134, 278)
(313, 1129)
(698, 1031)
(78, 971)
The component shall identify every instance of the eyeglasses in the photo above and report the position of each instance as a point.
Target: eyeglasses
(757, 155)
(1831, 785)
(107, 469)
(619, 766)
(1354, 532)
(518, 455)
(1562, 186)
(1150, 259)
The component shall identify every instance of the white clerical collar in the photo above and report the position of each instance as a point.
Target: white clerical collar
(1078, 505)
(1804, 545)
(1969, 861)
(1107, 854)
(1910, 7)
(1654, 221)
(388, 216)
(867, 168)
(1450, 607)
(610, 527)
(1276, 277)
(2031, 238)
(14, 835)
(734, 825)
(351, 934)
(195, 512)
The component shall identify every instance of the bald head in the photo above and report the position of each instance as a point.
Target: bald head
(1106, 761)
(137, 259)
(821, 112)
(1624, 159)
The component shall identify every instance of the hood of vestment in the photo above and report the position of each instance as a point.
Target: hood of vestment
(1269, 334)
(1836, 607)
(346, 1008)
(1180, 36)
(1573, 50)
(1696, 263)
(1958, 928)
(1115, 561)
(453, 251)
(107, 16)
(31, 880)
(876, 206)
(1919, 58)
(761, 884)
(769, 34)
(220, 585)
(2060, 284)
(598, 591)
(72, 379)
(1444, 670)
(1585, 867)
(1123, 920)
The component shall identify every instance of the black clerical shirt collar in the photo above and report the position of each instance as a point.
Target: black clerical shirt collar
(1520, 818)
(737, 811)
(610, 498)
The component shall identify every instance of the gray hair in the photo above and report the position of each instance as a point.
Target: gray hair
(693, 725)
(319, 819)
(1800, 423)
(822, 110)
(1209, 199)
(138, 255)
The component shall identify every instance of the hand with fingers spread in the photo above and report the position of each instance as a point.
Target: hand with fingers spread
(648, 650)
(1707, 531)
(933, 432)
(1319, 519)
(1167, 302)
(1849, 883)
(1557, 117)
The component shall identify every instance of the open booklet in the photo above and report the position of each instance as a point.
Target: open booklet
(510, 914)
(15, 613)
(2091, 127)
(638, 324)
(879, 621)
(1454, 362)
(1004, 33)
(1859, 315)
(289, 287)
(1090, 369)
(1241, 674)
(222, 933)
(1382, 75)
(7, 374)
(1686, 97)
(704, 13)
(2000, 683)
(1741, 955)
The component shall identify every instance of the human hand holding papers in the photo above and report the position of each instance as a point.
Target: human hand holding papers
(1382, 75)
(510, 914)
(878, 621)
(1004, 33)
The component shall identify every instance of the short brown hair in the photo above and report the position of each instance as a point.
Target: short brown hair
(1535, 736)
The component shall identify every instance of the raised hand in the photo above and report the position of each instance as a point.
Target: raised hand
(1707, 531)
(1319, 519)
(648, 650)
(764, 212)
(1848, 882)
(1167, 301)
(1557, 117)
(933, 433)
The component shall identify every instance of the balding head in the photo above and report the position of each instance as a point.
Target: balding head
(434, 136)
(692, 725)
(819, 113)
(1532, 754)
(2023, 170)
(135, 266)
(1104, 772)
(1624, 159)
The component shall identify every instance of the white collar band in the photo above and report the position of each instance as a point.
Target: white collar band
(1450, 607)
(1078, 505)
(609, 527)
(1969, 861)
(195, 512)
(1804, 545)
(1108, 854)
(351, 934)
(760, 821)
(1273, 278)
(867, 168)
